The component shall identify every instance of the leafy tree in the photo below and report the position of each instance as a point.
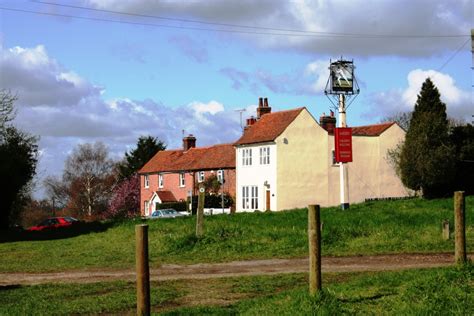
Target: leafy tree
(147, 147)
(125, 200)
(426, 157)
(18, 158)
(462, 137)
(211, 184)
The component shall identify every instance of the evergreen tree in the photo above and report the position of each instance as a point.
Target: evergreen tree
(147, 147)
(427, 159)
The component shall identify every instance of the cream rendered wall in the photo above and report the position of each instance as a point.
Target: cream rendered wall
(390, 183)
(257, 175)
(370, 174)
(302, 164)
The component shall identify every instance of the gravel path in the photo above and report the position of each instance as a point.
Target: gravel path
(239, 268)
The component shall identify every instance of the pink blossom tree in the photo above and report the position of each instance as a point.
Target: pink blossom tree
(125, 201)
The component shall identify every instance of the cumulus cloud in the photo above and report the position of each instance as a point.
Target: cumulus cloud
(354, 19)
(38, 79)
(65, 109)
(457, 101)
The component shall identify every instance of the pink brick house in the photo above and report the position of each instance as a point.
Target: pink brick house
(172, 175)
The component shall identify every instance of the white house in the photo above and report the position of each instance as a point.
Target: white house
(284, 160)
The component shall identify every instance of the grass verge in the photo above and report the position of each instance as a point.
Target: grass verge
(414, 292)
(368, 228)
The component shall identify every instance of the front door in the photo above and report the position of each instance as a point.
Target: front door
(268, 200)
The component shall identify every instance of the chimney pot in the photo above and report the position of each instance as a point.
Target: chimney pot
(328, 122)
(189, 142)
(263, 107)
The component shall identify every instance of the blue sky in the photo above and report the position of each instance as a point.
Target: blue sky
(80, 80)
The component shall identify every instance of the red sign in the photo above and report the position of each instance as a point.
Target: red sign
(343, 144)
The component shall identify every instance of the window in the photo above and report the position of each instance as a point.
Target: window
(247, 156)
(250, 197)
(146, 208)
(160, 180)
(264, 155)
(201, 176)
(220, 176)
(147, 182)
(181, 179)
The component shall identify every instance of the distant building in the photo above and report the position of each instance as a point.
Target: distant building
(173, 175)
(285, 161)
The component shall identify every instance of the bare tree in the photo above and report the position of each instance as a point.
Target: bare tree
(7, 110)
(89, 178)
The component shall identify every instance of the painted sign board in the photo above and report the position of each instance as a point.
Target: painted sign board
(343, 144)
(342, 73)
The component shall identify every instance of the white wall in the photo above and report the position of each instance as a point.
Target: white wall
(257, 175)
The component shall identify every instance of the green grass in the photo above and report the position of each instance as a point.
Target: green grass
(368, 228)
(438, 291)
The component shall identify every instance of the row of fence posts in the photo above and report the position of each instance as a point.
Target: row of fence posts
(314, 240)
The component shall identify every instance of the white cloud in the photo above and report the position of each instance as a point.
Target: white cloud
(457, 101)
(39, 80)
(320, 70)
(211, 107)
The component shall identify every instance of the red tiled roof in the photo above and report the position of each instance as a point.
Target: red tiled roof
(268, 127)
(203, 158)
(371, 130)
(166, 196)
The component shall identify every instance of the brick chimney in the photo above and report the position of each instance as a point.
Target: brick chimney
(328, 122)
(263, 107)
(250, 121)
(189, 142)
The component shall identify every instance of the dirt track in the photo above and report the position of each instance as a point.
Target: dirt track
(239, 268)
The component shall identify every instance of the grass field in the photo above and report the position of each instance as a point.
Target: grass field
(416, 292)
(369, 228)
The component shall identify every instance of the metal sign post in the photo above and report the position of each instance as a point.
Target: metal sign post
(342, 85)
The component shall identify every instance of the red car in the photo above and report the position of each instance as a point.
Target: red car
(54, 222)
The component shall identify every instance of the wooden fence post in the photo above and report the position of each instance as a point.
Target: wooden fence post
(143, 271)
(446, 229)
(200, 213)
(314, 239)
(460, 228)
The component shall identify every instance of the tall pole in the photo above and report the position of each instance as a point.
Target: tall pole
(143, 270)
(343, 172)
(314, 240)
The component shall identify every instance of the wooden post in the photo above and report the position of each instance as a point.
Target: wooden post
(446, 229)
(459, 227)
(314, 239)
(200, 213)
(143, 271)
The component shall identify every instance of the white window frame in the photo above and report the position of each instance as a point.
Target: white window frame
(220, 176)
(200, 176)
(146, 206)
(182, 182)
(247, 156)
(160, 180)
(265, 155)
(250, 197)
(146, 183)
